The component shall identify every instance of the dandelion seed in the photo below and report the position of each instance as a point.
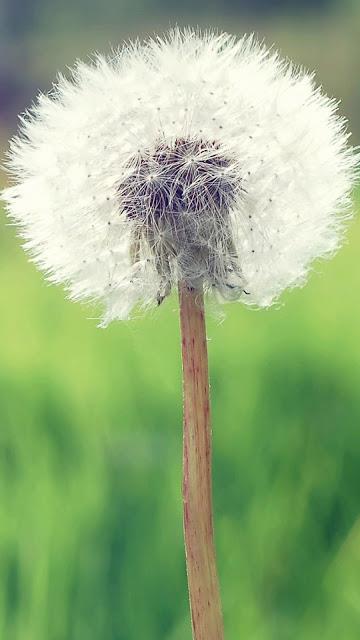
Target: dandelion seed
(190, 220)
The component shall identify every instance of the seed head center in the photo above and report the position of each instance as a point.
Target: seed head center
(173, 180)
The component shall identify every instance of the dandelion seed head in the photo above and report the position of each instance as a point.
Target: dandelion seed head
(195, 157)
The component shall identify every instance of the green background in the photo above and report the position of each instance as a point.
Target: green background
(91, 435)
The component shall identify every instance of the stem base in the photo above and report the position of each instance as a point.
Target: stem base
(205, 604)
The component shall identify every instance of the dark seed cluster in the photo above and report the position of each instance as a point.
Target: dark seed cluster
(191, 176)
(178, 198)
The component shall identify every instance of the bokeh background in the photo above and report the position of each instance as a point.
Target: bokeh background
(90, 419)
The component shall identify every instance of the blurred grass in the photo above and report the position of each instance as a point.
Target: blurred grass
(90, 464)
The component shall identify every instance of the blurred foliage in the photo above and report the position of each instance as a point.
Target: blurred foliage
(259, 6)
(18, 17)
(90, 464)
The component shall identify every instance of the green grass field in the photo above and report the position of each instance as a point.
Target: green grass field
(90, 464)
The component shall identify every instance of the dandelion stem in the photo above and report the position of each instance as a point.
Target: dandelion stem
(202, 577)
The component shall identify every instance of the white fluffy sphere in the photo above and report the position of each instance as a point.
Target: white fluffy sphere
(196, 157)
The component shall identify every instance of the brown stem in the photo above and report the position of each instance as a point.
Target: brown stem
(203, 584)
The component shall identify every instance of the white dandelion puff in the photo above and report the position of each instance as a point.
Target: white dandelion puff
(196, 158)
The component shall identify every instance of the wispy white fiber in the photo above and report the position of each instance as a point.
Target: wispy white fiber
(196, 156)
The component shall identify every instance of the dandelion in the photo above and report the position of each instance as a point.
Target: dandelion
(195, 161)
